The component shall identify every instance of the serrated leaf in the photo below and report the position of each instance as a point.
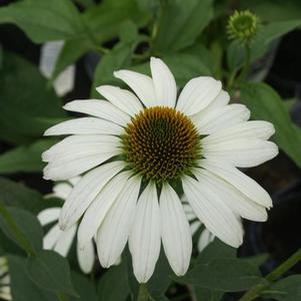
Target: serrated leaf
(51, 271)
(266, 104)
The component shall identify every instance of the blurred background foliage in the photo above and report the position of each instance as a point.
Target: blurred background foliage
(191, 37)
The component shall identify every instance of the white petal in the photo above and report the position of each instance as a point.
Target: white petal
(51, 237)
(50, 51)
(86, 257)
(85, 126)
(190, 215)
(220, 118)
(249, 129)
(241, 152)
(239, 180)
(99, 108)
(211, 210)
(65, 240)
(197, 94)
(234, 199)
(62, 190)
(71, 166)
(81, 143)
(176, 237)
(113, 233)
(121, 98)
(85, 191)
(205, 239)
(221, 100)
(164, 83)
(49, 215)
(145, 237)
(97, 211)
(194, 227)
(141, 84)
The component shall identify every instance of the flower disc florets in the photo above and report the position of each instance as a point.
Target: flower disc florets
(242, 26)
(161, 143)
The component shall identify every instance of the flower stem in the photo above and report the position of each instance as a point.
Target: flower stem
(255, 291)
(143, 293)
(246, 67)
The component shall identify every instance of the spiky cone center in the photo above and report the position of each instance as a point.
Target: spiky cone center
(161, 144)
(242, 25)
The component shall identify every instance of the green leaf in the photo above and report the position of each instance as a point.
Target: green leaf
(105, 20)
(27, 106)
(160, 280)
(44, 20)
(22, 287)
(51, 271)
(22, 227)
(24, 158)
(217, 269)
(72, 50)
(181, 22)
(266, 104)
(86, 3)
(204, 294)
(270, 33)
(186, 65)
(216, 250)
(113, 285)
(119, 57)
(260, 45)
(228, 275)
(18, 195)
(273, 10)
(287, 289)
(84, 287)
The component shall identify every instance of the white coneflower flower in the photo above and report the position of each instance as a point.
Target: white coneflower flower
(206, 237)
(61, 241)
(136, 151)
(5, 292)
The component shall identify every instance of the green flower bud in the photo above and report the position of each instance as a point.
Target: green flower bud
(242, 26)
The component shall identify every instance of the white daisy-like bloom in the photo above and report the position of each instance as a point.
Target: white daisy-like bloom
(5, 291)
(139, 148)
(61, 241)
(206, 237)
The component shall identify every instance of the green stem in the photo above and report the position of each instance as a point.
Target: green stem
(255, 291)
(143, 293)
(246, 67)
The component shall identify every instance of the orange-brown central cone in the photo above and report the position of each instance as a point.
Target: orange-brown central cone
(161, 143)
